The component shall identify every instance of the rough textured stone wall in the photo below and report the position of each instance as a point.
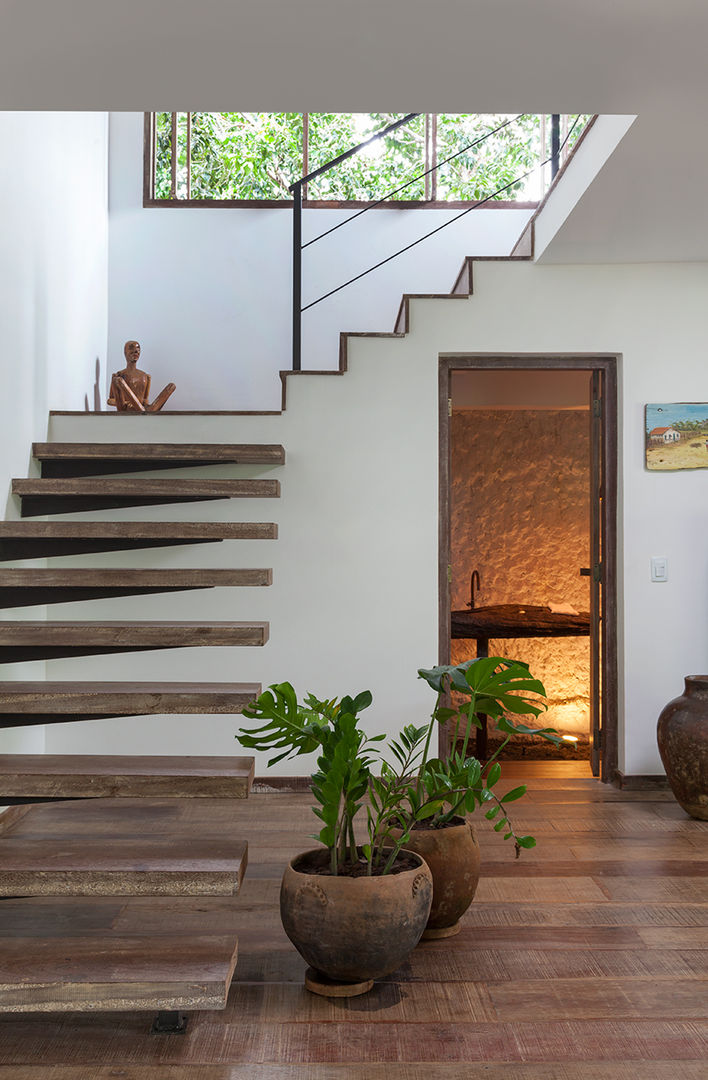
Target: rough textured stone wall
(520, 515)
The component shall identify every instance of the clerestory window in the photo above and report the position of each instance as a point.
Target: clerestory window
(250, 159)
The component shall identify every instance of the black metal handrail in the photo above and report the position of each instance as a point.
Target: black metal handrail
(296, 189)
(413, 180)
(297, 186)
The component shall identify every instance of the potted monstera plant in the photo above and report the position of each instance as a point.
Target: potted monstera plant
(428, 797)
(353, 911)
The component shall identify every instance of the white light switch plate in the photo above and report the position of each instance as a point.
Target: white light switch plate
(659, 568)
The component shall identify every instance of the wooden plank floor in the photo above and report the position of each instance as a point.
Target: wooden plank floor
(585, 960)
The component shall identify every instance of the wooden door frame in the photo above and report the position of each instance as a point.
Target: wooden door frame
(608, 364)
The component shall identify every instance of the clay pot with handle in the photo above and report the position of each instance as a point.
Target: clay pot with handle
(353, 929)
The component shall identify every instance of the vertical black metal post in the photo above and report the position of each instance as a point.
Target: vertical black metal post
(297, 275)
(555, 143)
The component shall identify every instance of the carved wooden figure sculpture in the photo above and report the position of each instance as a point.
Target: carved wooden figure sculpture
(130, 388)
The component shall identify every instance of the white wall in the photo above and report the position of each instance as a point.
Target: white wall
(207, 291)
(53, 306)
(354, 599)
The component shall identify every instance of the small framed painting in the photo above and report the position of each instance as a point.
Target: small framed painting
(676, 435)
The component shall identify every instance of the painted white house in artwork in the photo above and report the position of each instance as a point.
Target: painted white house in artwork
(665, 435)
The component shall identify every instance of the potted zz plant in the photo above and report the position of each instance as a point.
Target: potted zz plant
(354, 912)
(426, 805)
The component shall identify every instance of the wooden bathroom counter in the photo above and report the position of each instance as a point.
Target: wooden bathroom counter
(512, 621)
(517, 621)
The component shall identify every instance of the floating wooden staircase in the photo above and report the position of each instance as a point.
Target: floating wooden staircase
(74, 940)
(154, 827)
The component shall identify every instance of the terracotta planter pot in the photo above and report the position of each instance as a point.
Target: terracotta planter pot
(354, 929)
(682, 734)
(453, 857)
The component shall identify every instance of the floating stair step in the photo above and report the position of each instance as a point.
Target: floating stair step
(88, 776)
(20, 641)
(20, 588)
(118, 867)
(123, 847)
(90, 459)
(124, 819)
(63, 496)
(43, 539)
(93, 954)
(115, 973)
(25, 703)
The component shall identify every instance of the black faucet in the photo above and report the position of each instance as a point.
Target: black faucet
(475, 576)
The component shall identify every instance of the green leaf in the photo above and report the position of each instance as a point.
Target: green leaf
(514, 794)
(526, 841)
(493, 774)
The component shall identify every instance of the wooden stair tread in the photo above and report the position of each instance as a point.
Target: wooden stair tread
(46, 975)
(123, 818)
(23, 703)
(123, 776)
(99, 953)
(167, 634)
(115, 577)
(62, 496)
(25, 588)
(135, 847)
(160, 486)
(99, 690)
(42, 539)
(29, 640)
(189, 530)
(111, 866)
(196, 453)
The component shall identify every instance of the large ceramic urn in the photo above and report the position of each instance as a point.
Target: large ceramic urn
(682, 733)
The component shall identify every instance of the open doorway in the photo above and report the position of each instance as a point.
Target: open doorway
(528, 510)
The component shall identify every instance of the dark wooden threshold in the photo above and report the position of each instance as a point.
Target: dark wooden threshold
(637, 782)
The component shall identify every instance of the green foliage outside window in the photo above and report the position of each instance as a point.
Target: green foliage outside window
(256, 156)
(374, 172)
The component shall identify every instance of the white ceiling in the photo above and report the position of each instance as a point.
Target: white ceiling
(615, 56)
